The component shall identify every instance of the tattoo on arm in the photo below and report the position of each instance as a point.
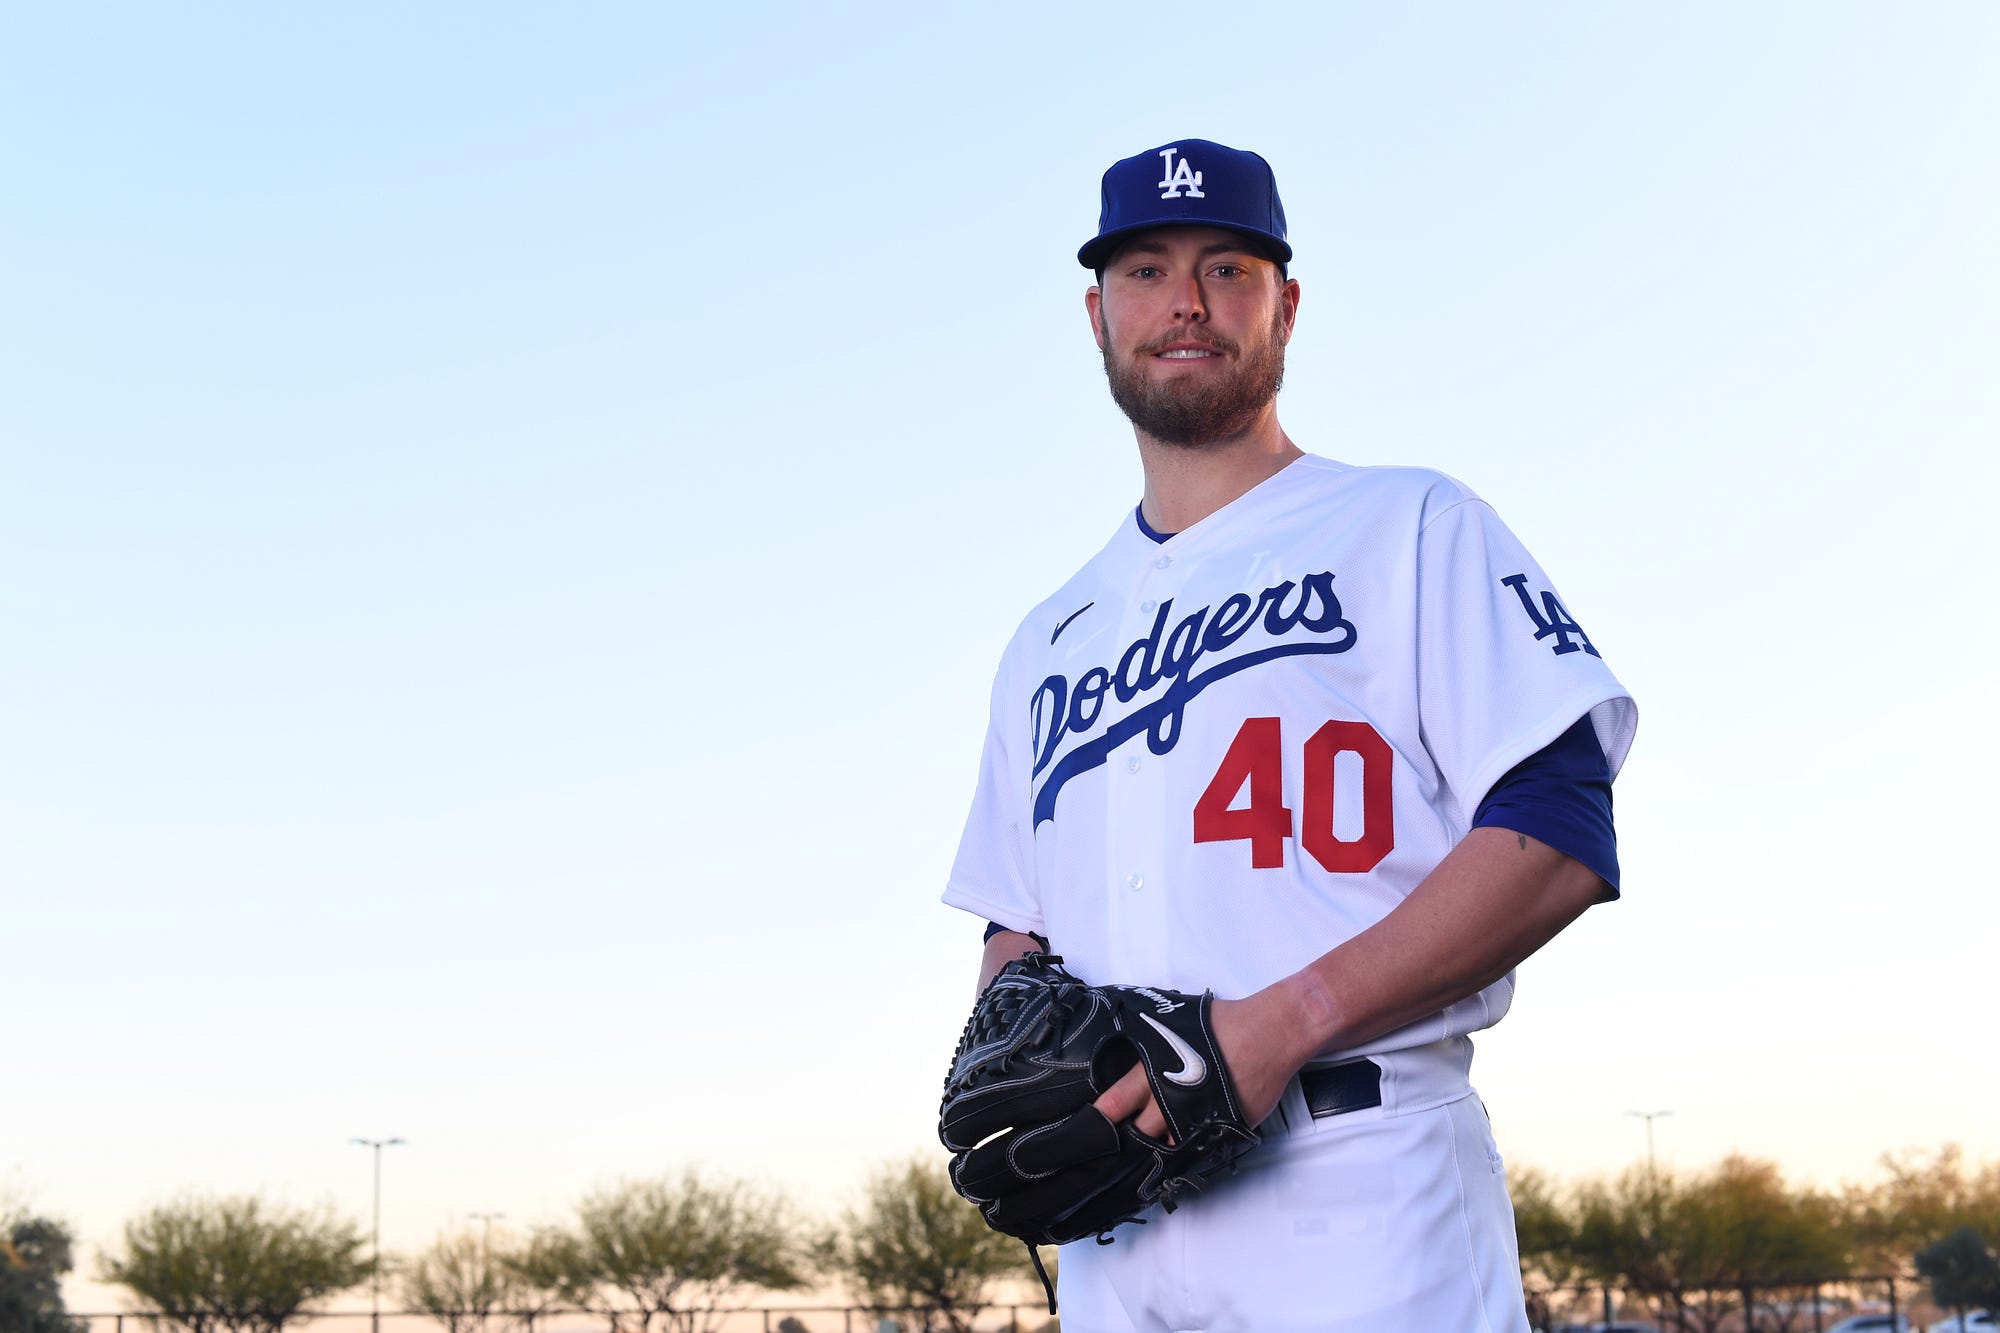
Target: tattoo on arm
(1522, 838)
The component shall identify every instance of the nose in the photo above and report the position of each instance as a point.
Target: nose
(1188, 302)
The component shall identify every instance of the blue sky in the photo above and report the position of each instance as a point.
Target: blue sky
(507, 516)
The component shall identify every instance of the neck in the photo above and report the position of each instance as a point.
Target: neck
(1185, 484)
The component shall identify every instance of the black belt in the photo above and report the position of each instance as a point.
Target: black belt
(1338, 1089)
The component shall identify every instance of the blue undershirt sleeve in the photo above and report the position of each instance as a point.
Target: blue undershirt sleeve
(1561, 796)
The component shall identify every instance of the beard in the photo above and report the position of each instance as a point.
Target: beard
(1192, 415)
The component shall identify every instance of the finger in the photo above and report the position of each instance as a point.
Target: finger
(1127, 1097)
(1131, 1098)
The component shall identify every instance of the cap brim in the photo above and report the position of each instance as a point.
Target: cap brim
(1099, 249)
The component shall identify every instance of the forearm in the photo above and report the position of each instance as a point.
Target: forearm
(1496, 899)
(1002, 949)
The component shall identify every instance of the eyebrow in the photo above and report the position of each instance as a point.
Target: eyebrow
(1212, 248)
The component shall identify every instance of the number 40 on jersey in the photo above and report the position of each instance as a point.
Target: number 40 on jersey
(1256, 760)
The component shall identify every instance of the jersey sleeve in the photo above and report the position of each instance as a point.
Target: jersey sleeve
(1561, 795)
(993, 873)
(1503, 667)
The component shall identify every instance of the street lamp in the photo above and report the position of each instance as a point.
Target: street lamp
(375, 1323)
(484, 1280)
(1649, 1117)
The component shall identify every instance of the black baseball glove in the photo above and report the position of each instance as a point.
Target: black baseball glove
(1038, 1159)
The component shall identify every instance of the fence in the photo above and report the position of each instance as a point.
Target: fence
(743, 1319)
(1753, 1307)
(1800, 1306)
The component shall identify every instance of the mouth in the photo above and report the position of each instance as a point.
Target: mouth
(1188, 349)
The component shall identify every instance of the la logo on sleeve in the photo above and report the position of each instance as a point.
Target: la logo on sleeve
(1551, 619)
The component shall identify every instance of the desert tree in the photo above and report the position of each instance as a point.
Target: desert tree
(1545, 1222)
(1705, 1244)
(1962, 1271)
(1923, 1198)
(235, 1265)
(546, 1271)
(35, 1252)
(1616, 1234)
(676, 1249)
(1774, 1242)
(461, 1282)
(914, 1245)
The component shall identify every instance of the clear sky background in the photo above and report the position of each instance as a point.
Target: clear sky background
(508, 513)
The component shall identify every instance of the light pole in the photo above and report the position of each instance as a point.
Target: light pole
(1652, 1199)
(375, 1323)
(484, 1282)
(1652, 1173)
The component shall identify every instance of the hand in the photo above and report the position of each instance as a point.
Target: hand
(1259, 1036)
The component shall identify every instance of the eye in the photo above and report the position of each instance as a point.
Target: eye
(1228, 270)
(1146, 271)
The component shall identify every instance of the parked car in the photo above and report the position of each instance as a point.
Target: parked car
(1977, 1321)
(1873, 1323)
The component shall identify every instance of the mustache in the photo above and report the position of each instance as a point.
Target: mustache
(1214, 342)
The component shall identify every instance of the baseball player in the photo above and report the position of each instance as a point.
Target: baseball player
(1320, 737)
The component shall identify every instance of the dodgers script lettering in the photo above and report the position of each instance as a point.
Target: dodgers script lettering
(1167, 656)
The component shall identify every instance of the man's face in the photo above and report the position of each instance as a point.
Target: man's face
(1193, 328)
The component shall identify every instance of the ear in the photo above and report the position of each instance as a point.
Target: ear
(1288, 297)
(1093, 301)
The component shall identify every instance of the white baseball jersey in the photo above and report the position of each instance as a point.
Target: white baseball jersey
(1215, 758)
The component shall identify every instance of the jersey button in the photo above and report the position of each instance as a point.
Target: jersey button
(1149, 607)
(1163, 562)
(1136, 883)
(1132, 764)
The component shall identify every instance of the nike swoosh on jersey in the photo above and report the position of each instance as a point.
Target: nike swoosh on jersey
(1193, 1068)
(1066, 619)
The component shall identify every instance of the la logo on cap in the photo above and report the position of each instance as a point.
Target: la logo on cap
(1180, 177)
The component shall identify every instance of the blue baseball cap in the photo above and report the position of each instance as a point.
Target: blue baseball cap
(1190, 183)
